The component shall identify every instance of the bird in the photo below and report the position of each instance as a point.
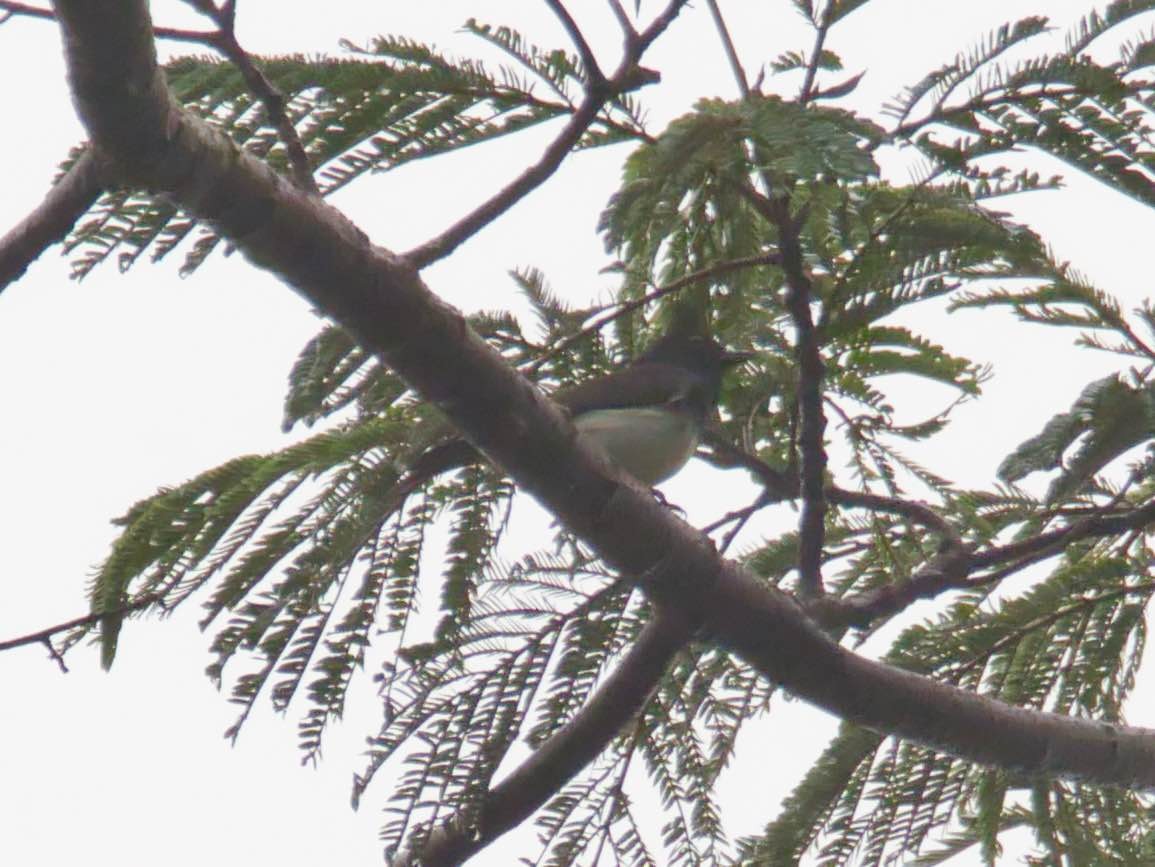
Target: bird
(646, 417)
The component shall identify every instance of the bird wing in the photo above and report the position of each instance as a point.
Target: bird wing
(642, 384)
(639, 385)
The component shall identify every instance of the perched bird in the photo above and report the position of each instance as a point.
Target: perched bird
(646, 417)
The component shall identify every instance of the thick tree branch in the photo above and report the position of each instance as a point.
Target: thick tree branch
(518, 796)
(51, 220)
(629, 76)
(381, 300)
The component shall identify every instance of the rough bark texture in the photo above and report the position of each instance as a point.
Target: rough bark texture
(130, 115)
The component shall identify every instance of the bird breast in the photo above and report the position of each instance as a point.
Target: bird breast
(650, 443)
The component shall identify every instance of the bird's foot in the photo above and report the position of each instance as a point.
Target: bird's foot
(661, 498)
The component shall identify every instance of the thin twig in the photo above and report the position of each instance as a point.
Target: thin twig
(620, 697)
(623, 20)
(919, 513)
(629, 76)
(174, 34)
(742, 520)
(731, 52)
(441, 246)
(1051, 617)
(952, 568)
(45, 635)
(1091, 527)
(784, 486)
(225, 41)
(625, 307)
(807, 91)
(595, 78)
(618, 791)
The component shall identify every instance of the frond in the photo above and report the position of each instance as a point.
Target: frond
(679, 192)
(1094, 117)
(397, 102)
(1109, 418)
(941, 84)
(1067, 645)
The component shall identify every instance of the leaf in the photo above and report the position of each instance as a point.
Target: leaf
(681, 187)
(397, 102)
(839, 9)
(1109, 416)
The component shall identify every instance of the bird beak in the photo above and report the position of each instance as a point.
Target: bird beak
(734, 358)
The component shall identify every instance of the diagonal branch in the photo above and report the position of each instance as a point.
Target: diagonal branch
(623, 19)
(51, 220)
(559, 759)
(952, 568)
(595, 78)
(225, 41)
(45, 636)
(807, 92)
(731, 52)
(529, 180)
(629, 76)
(623, 308)
(380, 298)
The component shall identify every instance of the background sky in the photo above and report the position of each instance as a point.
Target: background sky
(122, 383)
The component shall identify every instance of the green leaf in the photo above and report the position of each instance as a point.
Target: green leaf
(1108, 418)
(397, 102)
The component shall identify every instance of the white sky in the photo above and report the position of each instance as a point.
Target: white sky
(124, 383)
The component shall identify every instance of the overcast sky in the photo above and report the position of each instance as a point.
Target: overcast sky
(123, 383)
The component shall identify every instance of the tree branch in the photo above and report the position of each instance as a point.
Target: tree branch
(628, 76)
(174, 34)
(954, 565)
(44, 636)
(225, 41)
(807, 92)
(623, 308)
(595, 78)
(811, 372)
(379, 297)
(623, 19)
(559, 759)
(51, 220)
(731, 52)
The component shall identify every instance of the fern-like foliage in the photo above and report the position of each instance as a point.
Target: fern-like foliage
(1070, 645)
(1095, 117)
(393, 102)
(311, 567)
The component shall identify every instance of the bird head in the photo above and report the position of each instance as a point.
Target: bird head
(695, 352)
